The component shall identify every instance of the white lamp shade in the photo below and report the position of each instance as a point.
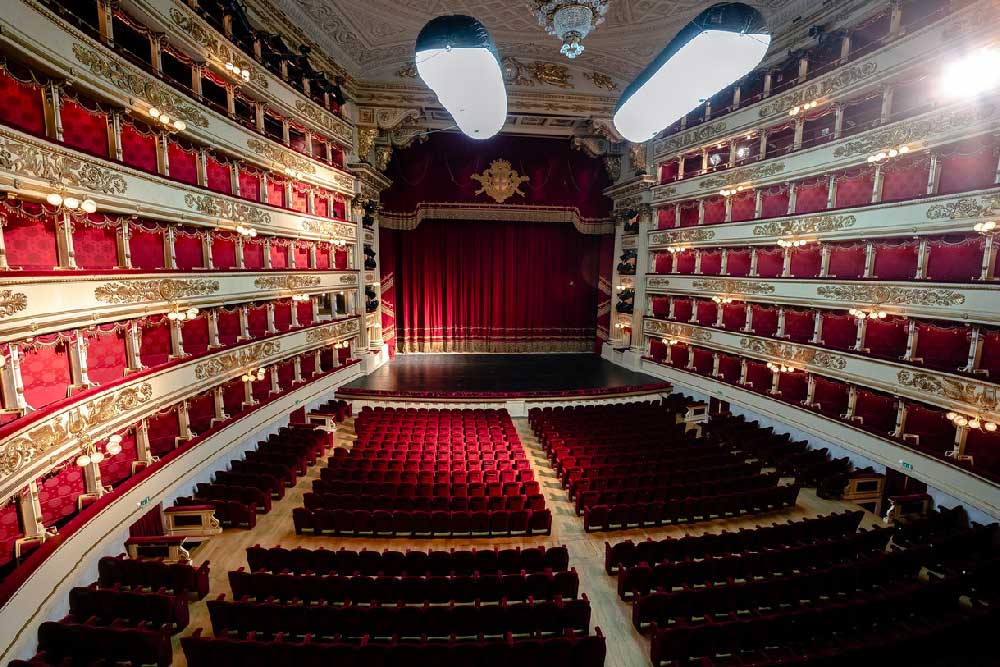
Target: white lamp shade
(457, 59)
(695, 65)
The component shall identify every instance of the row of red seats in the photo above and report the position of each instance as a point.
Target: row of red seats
(572, 468)
(666, 491)
(426, 476)
(339, 408)
(348, 501)
(153, 575)
(599, 477)
(433, 465)
(230, 513)
(436, 562)
(421, 523)
(483, 587)
(433, 454)
(82, 643)
(570, 649)
(247, 495)
(157, 608)
(704, 508)
(445, 490)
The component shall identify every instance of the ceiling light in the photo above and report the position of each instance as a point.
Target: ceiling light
(457, 59)
(570, 21)
(719, 46)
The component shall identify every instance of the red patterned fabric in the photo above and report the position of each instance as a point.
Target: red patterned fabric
(188, 252)
(968, 165)
(340, 258)
(685, 262)
(116, 468)
(738, 263)
(275, 191)
(229, 326)
(218, 177)
(806, 261)
(223, 251)
(743, 206)
(707, 312)
(323, 256)
(249, 183)
(936, 433)
(57, 495)
(729, 368)
(886, 338)
(285, 374)
(305, 313)
(232, 397)
(308, 364)
(657, 349)
(45, 371)
(989, 360)
(661, 306)
(877, 412)
(257, 321)
(300, 199)
(279, 254)
(854, 188)
(302, 254)
(765, 321)
(95, 247)
(163, 431)
(183, 163)
(665, 218)
(146, 248)
(339, 209)
(154, 348)
(905, 178)
(106, 358)
(261, 388)
(10, 529)
(734, 316)
(715, 210)
(896, 261)
(139, 148)
(31, 244)
(84, 129)
(321, 207)
(679, 355)
(201, 412)
(960, 261)
(811, 195)
(794, 387)
(830, 397)
(774, 202)
(703, 361)
(759, 376)
(799, 325)
(689, 214)
(946, 348)
(663, 262)
(683, 308)
(711, 262)
(22, 108)
(195, 335)
(253, 255)
(770, 262)
(847, 261)
(984, 448)
(283, 315)
(839, 331)
(343, 354)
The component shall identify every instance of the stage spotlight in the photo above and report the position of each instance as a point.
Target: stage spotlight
(719, 46)
(457, 59)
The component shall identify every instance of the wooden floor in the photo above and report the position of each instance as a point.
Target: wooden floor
(626, 646)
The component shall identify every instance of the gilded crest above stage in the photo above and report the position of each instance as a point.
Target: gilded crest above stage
(500, 181)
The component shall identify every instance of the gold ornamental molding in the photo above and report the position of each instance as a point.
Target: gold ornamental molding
(737, 176)
(287, 159)
(893, 296)
(227, 210)
(966, 208)
(493, 213)
(339, 330)
(26, 159)
(698, 135)
(656, 282)
(661, 193)
(338, 129)
(679, 330)
(728, 286)
(79, 423)
(234, 363)
(500, 181)
(813, 225)
(795, 354)
(123, 76)
(286, 282)
(348, 279)
(206, 36)
(12, 302)
(913, 131)
(822, 88)
(978, 395)
(689, 235)
(166, 289)
(328, 228)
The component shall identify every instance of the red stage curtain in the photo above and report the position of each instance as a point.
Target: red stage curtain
(685, 262)
(661, 306)
(45, 371)
(188, 251)
(657, 349)
(743, 206)
(770, 262)
(765, 320)
(163, 431)
(83, 128)
(707, 312)
(905, 177)
(886, 338)
(257, 321)
(106, 359)
(759, 376)
(689, 214)
(683, 308)
(946, 348)
(793, 387)
(146, 247)
(847, 261)
(729, 368)
(183, 163)
(989, 360)
(139, 147)
(22, 107)
(678, 355)
(340, 258)
(830, 397)
(968, 165)
(959, 261)
(465, 286)
(302, 254)
(195, 334)
(300, 198)
(896, 261)
(839, 331)
(279, 253)
(774, 202)
(31, 242)
(323, 256)
(95, 246)
(734, 316)
(223, 251)
(283, 315)
(229, 326)
(666, 218)
(663, 262)
(249, 183)
(936, 433)
(806, 261)
(738, 263)
(811, 195)
(253, 255)
(116, 468)
(711, 262)
(275, 191)
(305, 313)
(154, 347)
(799, 325)
(715, 210)
(703, 361)
(854, 187)
(201, 412)
(218, 177)
(877, 412)
(57, 495)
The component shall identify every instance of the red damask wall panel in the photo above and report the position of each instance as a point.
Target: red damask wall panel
(106, 358)
(154, 348)
(183, 163)
(46, 374)
(189, 252)
(84, 129)
(31, 243)
(57, 495)
(223, 252)
(146, 248)
(95, 247)
(139, 148)
(218, 176)
(23, 107)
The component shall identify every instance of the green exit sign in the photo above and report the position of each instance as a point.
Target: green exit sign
(906, 465)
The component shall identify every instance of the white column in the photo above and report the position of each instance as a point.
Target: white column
(213, 329)
(219, 403)
(183, 423)
(270, 318)
(78, 362)
(144, 455)
(133, 347)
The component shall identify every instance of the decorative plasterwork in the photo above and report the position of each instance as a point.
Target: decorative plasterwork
(658, 282)
(348, 279)
(227, 210)
(840, 80)
(727, 286)
(238, 361)
(146, 291)
(500, 181)
(286, 282)
(330, 229)
(966, 208)
(663, 192)
(287, 159)
(332, 332)
(80, 423)
(687, 235)
(338, 128)
(386, 118)
(681, 141)
(812, 225)
(978, 395)
(743, 175)
(680, 330)
(794, 354)
(29, 160)
(601, 80)
(895, 296)
(366, 140)
(913, 131)
(118, 73)
(495, 212)
(205, 35)
(12, 302)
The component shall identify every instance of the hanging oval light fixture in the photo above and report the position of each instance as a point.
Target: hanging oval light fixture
(457, 59)
(719, 46)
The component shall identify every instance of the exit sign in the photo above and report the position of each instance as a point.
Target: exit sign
(906, 465)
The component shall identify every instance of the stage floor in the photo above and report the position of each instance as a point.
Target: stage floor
(499, 373)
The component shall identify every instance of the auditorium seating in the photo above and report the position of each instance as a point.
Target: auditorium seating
(153, 575)
(157, 608)
(416, 523)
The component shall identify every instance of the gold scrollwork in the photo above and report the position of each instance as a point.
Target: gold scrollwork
(206, 36)
(348, 279)
(237, 361)
(12, 302)
(978, 395)
(601, 80)
(327, 228)
(30, 160)
(227, 210)
(657, 282)
(695, 136)
(729, 286)
(689, 235)
(841, 80)
(339, 330)
(813, 225)
(743, 175)
(894, 296)
(795, 354)
(679, 330)
(965, 208)
(912, 131)
(500, 181)
(337, 128)
(166, 289)
(285, 158)
(286, 282)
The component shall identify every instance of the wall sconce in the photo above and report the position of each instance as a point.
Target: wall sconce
(986, 228)
(239, 72)
(971, 422)
(795, 243)
(246, 231)
(678, 248)
(729, 192)
(668, 341)
(71, 203)
(91, 454)
(291, 173)
(340, 243)
(300, 297)
(722, 299)
(873, 314)
(881, 156)
(780, 368)
(168, 123)
(253, 375)
(342, 345)
(177, 315)
(796, 110)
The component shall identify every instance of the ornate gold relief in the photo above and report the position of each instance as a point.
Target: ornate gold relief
(337, 127)
(552, 74)
(218, 207)
(348, 279)
(156, 94)
(339, 330)
(977, 395)
(813, 225)
(408, 71)
(662, 193)
(824, 87)
(286, 282)
(895, 296)
(912, 131)
(382, 156)
(678, 330)
(737, 176)
(82, 422)
(729, 286)
(500, 181)
(206, 36)
(601, 80)
(12, 302)
(285, 158)
(637, 154)
(613, 167)
(328, 228)
(366, 140)
(657, 282)
(795, 354)
(687, 235)
(696, 136)
(44, 163)
(966, 208)
(165, 289)
(237, 361)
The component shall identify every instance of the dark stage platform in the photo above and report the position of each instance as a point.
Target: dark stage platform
(499, 373)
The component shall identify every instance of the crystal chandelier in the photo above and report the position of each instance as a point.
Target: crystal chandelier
(570, 20)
